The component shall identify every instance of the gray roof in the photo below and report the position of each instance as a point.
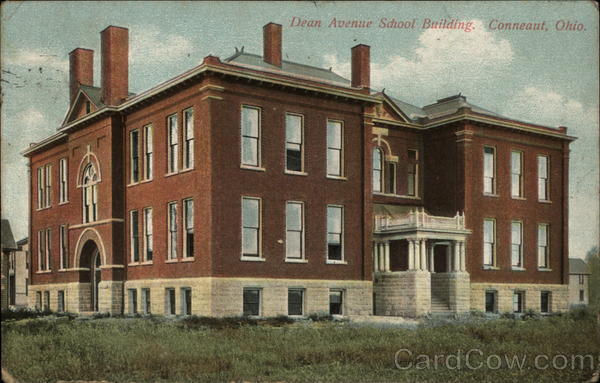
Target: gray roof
(295, 69)
(8, 241)
(450, 105)
(94, 94)
(413, 112)
(23, 241)
(578, 266)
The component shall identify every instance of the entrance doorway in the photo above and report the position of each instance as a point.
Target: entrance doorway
(91, 260)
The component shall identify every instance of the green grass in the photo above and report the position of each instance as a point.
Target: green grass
(208, 350)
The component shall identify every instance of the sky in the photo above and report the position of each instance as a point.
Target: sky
(548, 77)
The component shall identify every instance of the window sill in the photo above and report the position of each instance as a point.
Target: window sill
(491, 268)
(544, 201)
(288, 260)
(295, 173)
(186, 170)
(491, 195)
(545, 269)
(254, 168)
(253, 259)
(43, 208)
(63, 203)
(188, 259)
(133, 264)
(338, 178)
(514, 268)
(172, 260)
(395, 195)
(147, 180)
(518, 198)
(334, 262)
(171, 174)
(62, 270)
(44, 272)
(133, 184)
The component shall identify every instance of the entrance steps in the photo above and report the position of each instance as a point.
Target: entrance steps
(439, 305)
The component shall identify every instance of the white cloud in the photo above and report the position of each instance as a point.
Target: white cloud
(33, 118)
(150, 44)
(32, 59)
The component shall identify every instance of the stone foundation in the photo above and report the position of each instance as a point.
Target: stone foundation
(77, 296)
(559, 300)
(403, 293)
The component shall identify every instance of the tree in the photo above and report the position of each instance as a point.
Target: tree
(593, 260)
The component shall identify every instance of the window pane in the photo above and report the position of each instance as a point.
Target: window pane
(295, 302)
(250, 120)
(189, 123)
(377, 159)
(293, 244)
(334, 219)
(515, 162)
(488, 234)
(542, 166)
(516, 233)
(334, 134)
(333, 162)
(189, 214)
(335, 302)
(542, 235)
(250, 151)
(489, 162)
(251, 301)
(294, 216)
(293, 129)
(250, 242)
(250, 212)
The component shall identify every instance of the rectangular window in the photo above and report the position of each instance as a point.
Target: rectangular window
(63, 178)
(581, 295)
(135, 155)
(250, 136)
(148, 152)
(146, 307)
(335, 233)
(336, 298)
(489, 242)
(516, 244)
(294, 230)
(518, 303)
(188, 137)
(490, 301)
(169, 301)
(148, 237)
(48, 195)
(172, 224)
(412, 173)
(335, 148)
(543, 183)
(250, 227)
(295, 301)
(516, 173)
(61, 301)
(186, 301)
(251, 302)
(489, 170)
(581, 279)
(545, 301)
(377, 170)
(132, 297)
(391, 174)
(64, 249)
(173, 150)
(543, 246)
(38, 300)
(48, 249)
(41, 250)
(41, 185)
(135, 240)
(46, 300)
(188, 218)
(294, 126)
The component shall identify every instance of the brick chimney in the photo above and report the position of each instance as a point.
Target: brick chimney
(361, 66)
(272, 44)
(115, 64)
(81, 70)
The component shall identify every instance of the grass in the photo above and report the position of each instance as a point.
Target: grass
(193, 349)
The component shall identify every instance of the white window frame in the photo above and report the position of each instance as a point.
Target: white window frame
(301, 232)
(519, 245)
(187, 229)
(412, 164)
(487, 176)
(42, 265)
(134, 161)
(48, 176)
(172, 231)
(146, 298)
(342, 234)
(172, 144)
(339, 151)
(516, 175)
(64, 247)
(343, 303)
(90, 194)
(549, 309)
(134, 236)
(148, 234)
(290, 143)
(260, 300)
(132, 300)
(170, 302)
(188, 139)
(546, 248)
(48, 249)
(303, 303)
(543, 179)
(258, 256)
(41, 188)
(392, 173)
(493, 244)
(518, 304)
(63, 180)
(148, 152)
(378, 187)
(183, 308)
(258, 138)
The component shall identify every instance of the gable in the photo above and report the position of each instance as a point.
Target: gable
(389, 111)
(80, 108)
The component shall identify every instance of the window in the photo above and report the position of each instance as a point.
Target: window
(170, 301)
(64, 249)
(516, 244)
(543, 248)
(250, 136)
(412, 172)
(581, 295)
(335, 234)
(135, 155)
(392, 177)
(516, 173)
(293, 142)
(581, 279)
(335, 148)
(132, 297)
(148, 152)
(90, 194)
(295, 301)
(251, 301)
(148, 238)
(41, 250)
(40, 181)
(63, 178)
(38, 300)
(545, 301)
(518, 303)
(377, 170)
(543, 184)
(489, 170)
(188, 137)
(135, 236)
(48, 172)
(173, 150)
(186, 301)
(172, 240)
(489, 242)
(146, 307)
(188, 218)
(46, 300)
(61, 301)
(336, 302)
(490, 301)
(294, 230)
(88, 107)
(48, 249)
(250, 227)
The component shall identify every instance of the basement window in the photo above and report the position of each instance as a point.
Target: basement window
(336, 298)
(251, 301)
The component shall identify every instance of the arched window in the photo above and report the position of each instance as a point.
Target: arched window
(90, 194)
(377, 170)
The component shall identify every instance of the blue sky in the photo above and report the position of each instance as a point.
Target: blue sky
(548, 77)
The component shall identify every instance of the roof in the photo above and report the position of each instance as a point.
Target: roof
(413, 112)
(94, 93)
(23, 241)
(452, 104)
(578, 266)
(301, 70)
(8, 241)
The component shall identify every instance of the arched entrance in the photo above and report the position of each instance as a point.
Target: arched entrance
(91, 260)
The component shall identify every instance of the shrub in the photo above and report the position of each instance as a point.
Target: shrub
(581, 312)
(22, 313)
(530, 314)
(320, 316)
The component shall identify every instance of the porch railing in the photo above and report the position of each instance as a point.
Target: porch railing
(419, 219)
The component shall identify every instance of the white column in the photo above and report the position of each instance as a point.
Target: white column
(375, 257)
(431, 264)
(448, 257)
(386, 256)
(423, 254)
(463, 256)
(411, 254)
(456, 256)
(417, 254)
